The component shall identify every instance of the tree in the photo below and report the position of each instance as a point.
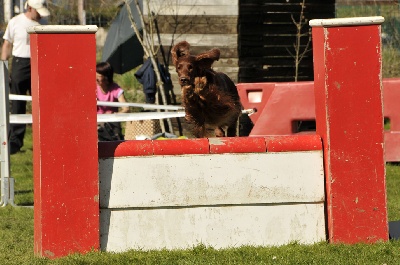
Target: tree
(81, 12)
(150, 50)
(78, 12)
(299, 54)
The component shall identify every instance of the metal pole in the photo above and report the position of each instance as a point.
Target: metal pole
(8, 10)
(7, 183)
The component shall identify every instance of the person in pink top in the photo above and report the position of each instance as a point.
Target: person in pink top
(108, 90)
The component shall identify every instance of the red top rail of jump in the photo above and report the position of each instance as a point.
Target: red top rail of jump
(282, 143)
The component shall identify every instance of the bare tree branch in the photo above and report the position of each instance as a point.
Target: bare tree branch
(147, 43)
(135, 28)
(298, 55)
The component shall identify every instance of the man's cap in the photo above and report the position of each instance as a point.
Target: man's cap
(40, 6)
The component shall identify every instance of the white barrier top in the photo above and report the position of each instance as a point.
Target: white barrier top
(350, 21)
(62, 29)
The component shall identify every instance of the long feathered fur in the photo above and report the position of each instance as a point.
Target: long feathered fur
(210, 98)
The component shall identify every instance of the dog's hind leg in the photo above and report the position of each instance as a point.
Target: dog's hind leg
(233, 129)
(219, 132)
(231, 132)
(199, 131)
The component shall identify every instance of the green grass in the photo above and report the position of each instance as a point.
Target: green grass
(322, 253)
(16, 223)
(393, 191)
(390, 62)
(21, 170)
(391, 27)
(16, 236)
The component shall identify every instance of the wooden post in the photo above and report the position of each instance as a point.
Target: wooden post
(349, 116)
(66, 193)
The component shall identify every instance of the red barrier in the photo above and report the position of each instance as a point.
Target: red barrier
(349, 118)
(288, 103)
(391, 110)
(284, 105)
(282, 143)
(254, 96)
(65, 159)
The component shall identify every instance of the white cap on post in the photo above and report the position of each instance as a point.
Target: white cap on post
(40, 6)
(350, 21)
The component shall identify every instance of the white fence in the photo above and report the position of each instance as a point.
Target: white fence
(7, 182)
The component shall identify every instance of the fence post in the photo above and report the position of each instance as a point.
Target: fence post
(7, 183)
(349, 116)
(65, 157)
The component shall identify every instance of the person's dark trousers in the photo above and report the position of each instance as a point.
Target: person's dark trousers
(20, 85)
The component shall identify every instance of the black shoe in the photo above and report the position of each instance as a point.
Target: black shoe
(14, 148)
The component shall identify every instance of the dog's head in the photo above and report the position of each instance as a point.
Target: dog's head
(189, 66)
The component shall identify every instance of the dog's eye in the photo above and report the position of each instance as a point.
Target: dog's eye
(190, 67)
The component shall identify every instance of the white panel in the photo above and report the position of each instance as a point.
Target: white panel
(193, 10)
(224, 179)
(211, 40)
(195, 2)
(227, 69)
(219, 227)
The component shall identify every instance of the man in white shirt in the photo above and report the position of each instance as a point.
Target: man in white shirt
(16, 44)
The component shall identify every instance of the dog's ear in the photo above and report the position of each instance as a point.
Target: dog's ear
(179, 50)
(206, 59)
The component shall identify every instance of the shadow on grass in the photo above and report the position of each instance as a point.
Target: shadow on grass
(23, 191)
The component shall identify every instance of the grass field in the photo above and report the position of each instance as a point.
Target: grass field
(16, 223)
(16, 236)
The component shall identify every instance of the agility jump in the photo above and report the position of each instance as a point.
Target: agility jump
(219, 191)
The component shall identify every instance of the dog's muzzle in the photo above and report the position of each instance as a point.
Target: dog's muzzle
(184, 81)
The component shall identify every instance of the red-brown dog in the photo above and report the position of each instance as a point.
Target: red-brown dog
(210, 98)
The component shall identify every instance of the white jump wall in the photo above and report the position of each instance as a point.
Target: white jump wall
(218, 199)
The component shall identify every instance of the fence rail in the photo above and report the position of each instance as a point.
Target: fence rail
(7, 182)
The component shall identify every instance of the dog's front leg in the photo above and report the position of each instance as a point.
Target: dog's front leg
(219, 132)
(199, 131)
(199, 84)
